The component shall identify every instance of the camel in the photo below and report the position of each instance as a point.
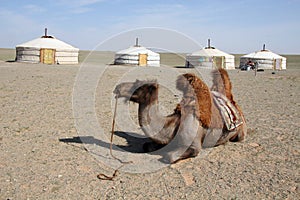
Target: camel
(192, 120)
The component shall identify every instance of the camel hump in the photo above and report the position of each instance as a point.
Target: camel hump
(225, 77)
(222, 83)
(195, 89)
(184, 81)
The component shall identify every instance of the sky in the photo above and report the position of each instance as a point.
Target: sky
(234, 26)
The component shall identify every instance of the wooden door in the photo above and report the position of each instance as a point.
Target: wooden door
(143, 59)
(47, 56)
(278, 64)
(218, 61)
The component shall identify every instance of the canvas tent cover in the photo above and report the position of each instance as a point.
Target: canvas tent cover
(204, 58)
(132, 55)
(31, 51)
(265, 60)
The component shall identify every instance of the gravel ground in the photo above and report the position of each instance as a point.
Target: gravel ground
(42, 157)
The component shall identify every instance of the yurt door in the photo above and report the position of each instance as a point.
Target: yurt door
(47, 56)
(278, 63)
(143, 59)
(218, 61)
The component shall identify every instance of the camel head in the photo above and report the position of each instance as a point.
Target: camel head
(138, 91)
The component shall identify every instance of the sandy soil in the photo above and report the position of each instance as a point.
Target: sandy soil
(41, 157)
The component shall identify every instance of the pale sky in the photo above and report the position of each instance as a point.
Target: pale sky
(234, 26)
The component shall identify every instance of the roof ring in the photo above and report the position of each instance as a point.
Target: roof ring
(48, 36)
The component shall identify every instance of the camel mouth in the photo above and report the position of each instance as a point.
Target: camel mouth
(117, 92)
(118, 95)
(122, 91)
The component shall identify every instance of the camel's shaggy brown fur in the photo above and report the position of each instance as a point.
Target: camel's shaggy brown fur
(192, 88)
(222, 83)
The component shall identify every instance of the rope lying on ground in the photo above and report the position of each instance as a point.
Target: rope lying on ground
(101, 175)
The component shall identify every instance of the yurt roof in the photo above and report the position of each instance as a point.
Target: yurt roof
(48, 42)
(263, 54)
(209, 52)
(136, 50)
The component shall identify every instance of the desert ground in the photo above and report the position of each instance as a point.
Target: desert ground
(42, 156)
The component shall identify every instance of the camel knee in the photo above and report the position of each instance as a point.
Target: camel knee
(191, 152)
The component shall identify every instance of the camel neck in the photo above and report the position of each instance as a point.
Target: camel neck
(150, 119)
(148, 109)
(148, 112)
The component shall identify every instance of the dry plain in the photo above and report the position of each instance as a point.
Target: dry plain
(42, 159)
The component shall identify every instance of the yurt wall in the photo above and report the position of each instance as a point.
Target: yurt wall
(229, 62)
(199, 61)
(27, 54)
(207, 59)
(66, 57)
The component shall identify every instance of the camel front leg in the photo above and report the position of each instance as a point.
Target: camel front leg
(187, 142)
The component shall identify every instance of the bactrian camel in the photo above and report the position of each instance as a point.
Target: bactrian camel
(200, 111)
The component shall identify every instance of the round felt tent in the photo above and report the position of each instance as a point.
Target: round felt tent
(210, 57)
(48, 50)
(137, 55)
(264, 59)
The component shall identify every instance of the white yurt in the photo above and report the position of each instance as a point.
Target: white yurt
(137, 55)
(210, 57)
(264, 59)
(48, 50)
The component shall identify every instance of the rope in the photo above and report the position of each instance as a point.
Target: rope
(103, 176)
